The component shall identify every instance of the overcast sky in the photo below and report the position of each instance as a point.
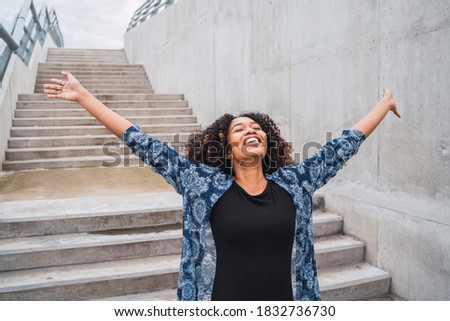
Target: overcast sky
(83, 23)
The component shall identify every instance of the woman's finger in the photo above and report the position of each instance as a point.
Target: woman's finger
(51, 91)
(58, 81)
(55, 87)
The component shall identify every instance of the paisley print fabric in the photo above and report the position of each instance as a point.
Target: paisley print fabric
(201, 186)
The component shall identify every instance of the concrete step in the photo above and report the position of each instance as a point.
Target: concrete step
(107, 91)
(354, 282)
(86, 57)
(84, 213)
(52, 66)
(84, 140)
(79, 248)
(99, 78)
(111, 160)
(163, 295)
(109, 146)
(84, 77)
(96, 130)
(45, 78)
(90, 120)
(89, 54)
(166, 210)
(94, 74)
(89, 214)
(91, 281)
(130, 104)
(113, 97)
(88, 60)
(346, 283)
(111, 149)
(142, 87)
(72, 51)
(338, 250)
(130, 81)
(81, 112)
(326, 223)
(55, 72)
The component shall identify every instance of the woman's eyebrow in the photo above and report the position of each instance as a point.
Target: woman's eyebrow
(253, 123)
(236, 125)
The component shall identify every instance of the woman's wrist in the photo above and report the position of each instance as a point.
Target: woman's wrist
(83, 95)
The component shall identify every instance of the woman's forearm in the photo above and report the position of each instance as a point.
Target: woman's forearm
(110, 119)
(367, 124)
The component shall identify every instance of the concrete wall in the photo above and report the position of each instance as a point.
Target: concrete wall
(19, 79)
(317, 67)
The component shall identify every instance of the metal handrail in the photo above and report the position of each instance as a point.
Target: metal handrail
(23, 38)
(148, 9)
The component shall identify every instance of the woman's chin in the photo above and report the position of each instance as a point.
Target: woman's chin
(253, 151)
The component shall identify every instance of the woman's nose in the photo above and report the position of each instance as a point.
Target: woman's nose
(250, 130)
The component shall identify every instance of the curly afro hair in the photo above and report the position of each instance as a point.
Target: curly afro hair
(209, 146)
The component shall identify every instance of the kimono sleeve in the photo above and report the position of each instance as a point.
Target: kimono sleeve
(325, 164)
(163, 159)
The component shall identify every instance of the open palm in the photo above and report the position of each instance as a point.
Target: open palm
(69, 89)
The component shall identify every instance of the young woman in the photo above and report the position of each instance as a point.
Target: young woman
(247, 207)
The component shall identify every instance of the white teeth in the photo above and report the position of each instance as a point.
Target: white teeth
(251, 140)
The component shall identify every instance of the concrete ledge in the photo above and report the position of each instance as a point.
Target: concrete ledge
(165, 295)
(91, 281)
(81, 248)
(352, 283)
(406, 234)
(338, 250)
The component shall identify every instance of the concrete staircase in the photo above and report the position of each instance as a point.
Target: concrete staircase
(123, 246)
(76, 251)
(59, 134)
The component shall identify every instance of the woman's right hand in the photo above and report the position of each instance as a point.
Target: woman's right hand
(69, 89)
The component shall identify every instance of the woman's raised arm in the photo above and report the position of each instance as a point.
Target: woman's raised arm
(376, 115)
(72, 90)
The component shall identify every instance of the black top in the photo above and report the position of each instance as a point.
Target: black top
(253, 237)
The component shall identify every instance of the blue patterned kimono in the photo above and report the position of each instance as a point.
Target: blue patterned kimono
(201, 186)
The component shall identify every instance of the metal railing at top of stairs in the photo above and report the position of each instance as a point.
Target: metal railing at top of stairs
(29, 27)
(148, 9)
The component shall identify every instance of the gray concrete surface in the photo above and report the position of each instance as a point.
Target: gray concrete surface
(19, 79)
(408, 237)
(90, 183)
(317, 67)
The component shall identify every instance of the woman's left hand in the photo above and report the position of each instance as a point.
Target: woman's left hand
(388, 98)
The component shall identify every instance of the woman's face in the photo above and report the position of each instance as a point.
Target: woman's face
(247, 142)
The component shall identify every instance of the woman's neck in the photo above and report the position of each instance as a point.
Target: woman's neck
(251, 179)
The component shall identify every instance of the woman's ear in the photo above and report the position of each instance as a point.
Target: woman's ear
(228, 153)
